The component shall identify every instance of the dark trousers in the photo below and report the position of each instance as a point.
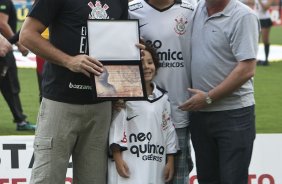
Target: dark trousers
(223, 144)
(10, 89)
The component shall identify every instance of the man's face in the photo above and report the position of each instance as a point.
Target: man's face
(215, 2)
(212, 1)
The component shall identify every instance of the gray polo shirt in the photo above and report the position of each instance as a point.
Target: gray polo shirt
(219, 42)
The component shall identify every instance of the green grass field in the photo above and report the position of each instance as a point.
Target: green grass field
(268, 94)
(30, 103)
(276, 35)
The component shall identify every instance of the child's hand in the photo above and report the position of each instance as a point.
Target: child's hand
(168, 173)
(122, 169)
(121, 165)
(169, 168)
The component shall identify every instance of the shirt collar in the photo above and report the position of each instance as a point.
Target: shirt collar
(156, 92)
(229, 8)
(226, 11)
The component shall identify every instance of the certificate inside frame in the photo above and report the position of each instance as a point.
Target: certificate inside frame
(120, 81)
(113, 40)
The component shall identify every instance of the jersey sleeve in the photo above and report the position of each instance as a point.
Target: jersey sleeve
(172, 145)
(118, 130)
(46, 10)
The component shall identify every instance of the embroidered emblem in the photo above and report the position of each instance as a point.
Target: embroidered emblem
(180, 27)
(98, 11)
(165, 119)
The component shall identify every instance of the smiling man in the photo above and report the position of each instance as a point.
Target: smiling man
(222, 64)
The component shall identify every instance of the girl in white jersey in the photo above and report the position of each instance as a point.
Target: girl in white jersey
(142, 138)
(261, 8)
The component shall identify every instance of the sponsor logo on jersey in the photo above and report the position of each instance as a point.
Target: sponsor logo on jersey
(144, 149)
(172, 64)
(168, 58)
(130, 118)
(98, 11)
(143, 25)
(180, 26)
(80, 87)
(170, 55)
(135, 6)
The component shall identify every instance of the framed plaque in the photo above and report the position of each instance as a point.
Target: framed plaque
(113, 43)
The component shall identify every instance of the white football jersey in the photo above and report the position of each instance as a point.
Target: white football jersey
(144, 131)
(162, 29)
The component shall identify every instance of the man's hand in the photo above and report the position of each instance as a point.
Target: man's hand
(85, 64)
(142, 49)
(5, 46)
(22, 49)
(196, 102)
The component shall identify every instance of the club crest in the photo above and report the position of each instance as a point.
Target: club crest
(98, 11)
(165, 119)
(180, 26)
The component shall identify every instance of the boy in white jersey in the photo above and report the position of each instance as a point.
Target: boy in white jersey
(161, 25)
(142, 137)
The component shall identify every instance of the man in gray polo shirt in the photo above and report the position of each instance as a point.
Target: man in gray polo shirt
(221, 65)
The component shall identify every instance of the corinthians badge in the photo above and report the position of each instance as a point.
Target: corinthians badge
(98, 11)
(180, 27)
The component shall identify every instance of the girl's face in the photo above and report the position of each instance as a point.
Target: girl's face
(148, 67)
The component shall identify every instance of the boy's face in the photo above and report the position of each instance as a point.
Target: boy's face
(148, 67)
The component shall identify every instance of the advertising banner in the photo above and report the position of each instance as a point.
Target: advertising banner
(16, 160)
